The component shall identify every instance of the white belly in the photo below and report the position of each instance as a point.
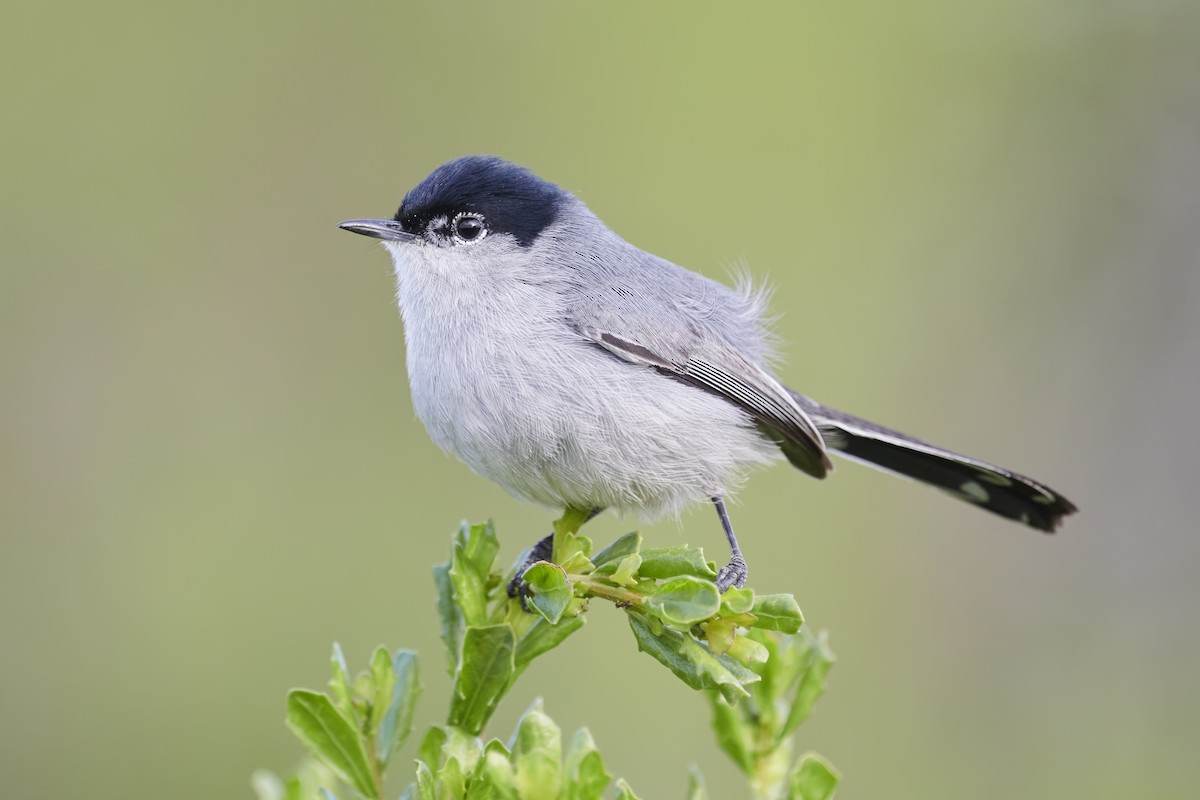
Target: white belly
(555, 420)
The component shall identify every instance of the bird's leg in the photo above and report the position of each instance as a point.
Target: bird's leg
(733, 573)
(542, 551)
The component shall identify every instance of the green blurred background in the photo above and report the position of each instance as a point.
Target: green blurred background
(981, 221)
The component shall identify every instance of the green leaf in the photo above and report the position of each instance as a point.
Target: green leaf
(570, 522)
(551, 591)
(426, 785)
(484, 786)
(812, 683)
(624, 792)
(362, 692)
(537, 756)
(570, 550)
(452, 784)
(734, 734)
(397, 721)
(383, 682)
(497, 749)
(326, 794)
(452, 621)
(747, 651)
(593, 778)
(430, 750)
(470, 566)
(783, 664)
(493, 779)
(583, 768)
(463, 748)
(480, 544)
(543, 636)
(627, 545)
(777, 612)
(744, 675)
(576, 549)
(720, 634)
(685, 601)
(670, 562)
(339, 684)
(578, 564)
(687, 658)
(267, 785)
(626, 571)
(737, 601)
(331, 737)
(813, 778)
(311, 777)
(483, 675)
(696, 790)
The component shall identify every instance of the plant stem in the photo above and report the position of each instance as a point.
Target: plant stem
(603, 590)
(570, 522)
(376, 767)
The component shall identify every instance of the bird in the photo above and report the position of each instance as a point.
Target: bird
(577, 371)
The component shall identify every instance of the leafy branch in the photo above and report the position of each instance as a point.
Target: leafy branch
(762, 677)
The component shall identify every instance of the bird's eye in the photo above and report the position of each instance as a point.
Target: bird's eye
(469, 227)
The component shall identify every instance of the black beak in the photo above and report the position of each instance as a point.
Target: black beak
(386, 229)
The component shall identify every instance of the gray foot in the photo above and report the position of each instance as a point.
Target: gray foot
(732, 574)
(542, 551)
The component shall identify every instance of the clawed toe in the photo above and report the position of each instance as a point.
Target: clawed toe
(539, 552)
(732, 574)
(516, 587)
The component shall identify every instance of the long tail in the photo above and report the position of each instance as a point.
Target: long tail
(996, 489)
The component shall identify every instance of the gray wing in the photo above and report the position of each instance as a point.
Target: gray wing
(696, 330)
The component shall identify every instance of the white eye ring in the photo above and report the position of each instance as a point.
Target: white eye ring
(473, 231)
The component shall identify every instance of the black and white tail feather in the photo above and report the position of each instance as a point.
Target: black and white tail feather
(988, 486)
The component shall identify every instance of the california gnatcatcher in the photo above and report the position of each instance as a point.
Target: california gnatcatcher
(577, 371)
